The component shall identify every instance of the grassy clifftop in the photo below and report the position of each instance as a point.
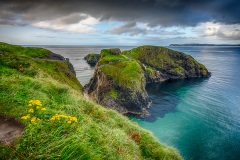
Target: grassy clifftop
(125, 71)
(27, 74)
(168, 61)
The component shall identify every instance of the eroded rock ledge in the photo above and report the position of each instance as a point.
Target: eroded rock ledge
(120, 77)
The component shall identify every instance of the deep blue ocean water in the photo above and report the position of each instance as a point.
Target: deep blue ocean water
(200, 117)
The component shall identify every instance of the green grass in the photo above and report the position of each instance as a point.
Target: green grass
(176, 71)
(128, 74)
(150, 70)
(125, 71)
(107, 57)
(113, 93)
(98, 134)
(165, 59)
(91, 56)
(23, 51)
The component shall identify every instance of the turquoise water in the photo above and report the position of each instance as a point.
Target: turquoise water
(199, 117)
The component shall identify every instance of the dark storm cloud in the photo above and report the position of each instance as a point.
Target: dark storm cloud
(73, 18)
(152, 12)
(128, 28)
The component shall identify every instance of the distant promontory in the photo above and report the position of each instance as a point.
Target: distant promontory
(198, 44)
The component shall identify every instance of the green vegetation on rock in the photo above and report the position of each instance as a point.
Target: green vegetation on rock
(93, 55)
(127, 73)
(113, 93)
(98, 134)
(123, 70)
(107, 57)
(167, 60)
(92, 58)
(150, 70)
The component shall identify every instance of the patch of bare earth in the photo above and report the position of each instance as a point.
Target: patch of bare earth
(10, 130)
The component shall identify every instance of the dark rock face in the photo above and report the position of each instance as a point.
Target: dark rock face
(92, 58)
(114, 51)
(71, 68)
(54, 56)
(57, 57)
(126, 101)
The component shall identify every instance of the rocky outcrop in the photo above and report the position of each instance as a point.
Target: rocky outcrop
(161, 64)
(114, 51)
(118, 83)
(58, 57)
(119, 79)
(105, 90)
(54, 56)
(92, 58)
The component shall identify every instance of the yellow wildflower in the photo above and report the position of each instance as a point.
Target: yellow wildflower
(69, 119)
(33, 119)
(73, 119)
(63, 116)
(52, 119)
(25, 117)
(31, 110)
(43, 109)
(35, 102)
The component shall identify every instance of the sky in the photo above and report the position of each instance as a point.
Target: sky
(122, 23)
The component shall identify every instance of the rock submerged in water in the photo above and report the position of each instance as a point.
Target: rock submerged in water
(92, 58)
(119, 79)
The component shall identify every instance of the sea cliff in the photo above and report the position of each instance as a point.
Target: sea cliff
(120, 77)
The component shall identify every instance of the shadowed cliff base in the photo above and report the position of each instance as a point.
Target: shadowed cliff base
(164, 97)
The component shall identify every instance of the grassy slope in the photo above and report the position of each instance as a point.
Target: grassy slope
(165, 59)
(99, 133)
(125, 71)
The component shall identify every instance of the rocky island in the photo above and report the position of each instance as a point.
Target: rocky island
(92, 58)
(120, 77)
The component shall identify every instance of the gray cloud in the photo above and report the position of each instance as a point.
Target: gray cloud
(221, 31)
(128, 28)
(232, 36)
(152, 12)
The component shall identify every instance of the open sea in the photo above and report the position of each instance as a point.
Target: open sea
(200, 117)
